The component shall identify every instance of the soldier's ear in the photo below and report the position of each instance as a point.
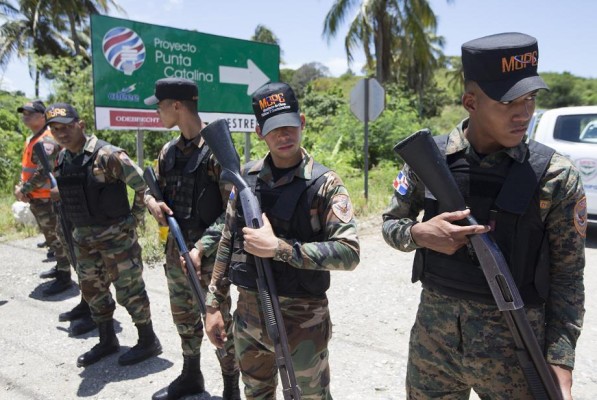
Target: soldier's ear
(258, 132)
(469, 101)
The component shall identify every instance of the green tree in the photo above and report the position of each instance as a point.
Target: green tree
(562, 91)
(13, 133)
(77, 13)
(392, 33)
(306, 74)
(34, 30)
(264, 35)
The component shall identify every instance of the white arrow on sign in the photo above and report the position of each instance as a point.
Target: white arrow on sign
(251, 76)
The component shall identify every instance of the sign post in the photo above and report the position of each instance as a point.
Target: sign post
(367, 101)
(128, 57)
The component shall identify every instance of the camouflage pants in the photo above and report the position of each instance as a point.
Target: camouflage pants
(456, 345)
(309, 330)
(46, 218)
(185, 309)
(106, 255)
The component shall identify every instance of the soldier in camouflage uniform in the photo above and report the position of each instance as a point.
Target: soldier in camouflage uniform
(460, 340)
(308, 230)
(34, 188)
(92, 179)
(189, 178)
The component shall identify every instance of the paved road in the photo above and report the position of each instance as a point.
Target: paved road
(372, 308)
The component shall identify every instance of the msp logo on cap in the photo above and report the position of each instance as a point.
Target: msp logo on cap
(124, 49)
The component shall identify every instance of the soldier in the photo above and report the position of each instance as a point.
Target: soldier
(460, 340)
(34, 188)
(189, 178)
(318, 234)
(92, 179)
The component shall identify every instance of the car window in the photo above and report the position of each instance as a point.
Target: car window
(576, 128)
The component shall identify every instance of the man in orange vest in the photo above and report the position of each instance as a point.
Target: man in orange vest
(34, 189)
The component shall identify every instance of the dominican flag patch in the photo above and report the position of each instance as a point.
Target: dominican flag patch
(401, 183)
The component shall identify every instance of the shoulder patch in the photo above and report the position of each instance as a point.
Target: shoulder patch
(342, 207)
(581, 217)
(402, 183)
(48, 148)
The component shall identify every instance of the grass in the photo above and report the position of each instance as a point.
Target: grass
(379, 193)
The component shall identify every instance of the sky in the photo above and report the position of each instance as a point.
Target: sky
(566, 30)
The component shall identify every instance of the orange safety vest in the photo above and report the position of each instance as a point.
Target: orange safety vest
(29, 167)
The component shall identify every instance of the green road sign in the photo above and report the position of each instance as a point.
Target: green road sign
(128, 57)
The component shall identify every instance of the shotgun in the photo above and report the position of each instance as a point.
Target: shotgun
(421, 153)
(217, 136)
(152, 184)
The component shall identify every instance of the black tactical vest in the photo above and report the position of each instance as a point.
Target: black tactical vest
(87, 201)
(194, 198)
(505, 197)
(288, 209)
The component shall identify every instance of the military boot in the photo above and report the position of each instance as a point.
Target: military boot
(147, 346)
(49, 274)
(231, 390)
(190, 381)
(107, 345)
(60, 284)
(50, 256)
(79, 311)
(81, 326)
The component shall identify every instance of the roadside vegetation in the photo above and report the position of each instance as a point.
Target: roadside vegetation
(423, 89)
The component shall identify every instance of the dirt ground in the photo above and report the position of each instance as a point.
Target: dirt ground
(372, 309)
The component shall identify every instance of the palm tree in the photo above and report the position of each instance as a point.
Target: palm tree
(264, 35)
(32, 31)
(388, 27)
(40, 27)
(77, 13)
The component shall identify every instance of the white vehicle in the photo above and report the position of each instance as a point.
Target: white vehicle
(572, 131)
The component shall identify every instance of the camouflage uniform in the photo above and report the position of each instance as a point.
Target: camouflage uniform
(42, 208)
(307, 320)
(185, 309)
(460, 344)
(111, 254)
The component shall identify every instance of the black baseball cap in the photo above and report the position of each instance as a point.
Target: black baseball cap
(173, 89)
(62, 113)
(503, 65)
(36, 106)
(275, 105)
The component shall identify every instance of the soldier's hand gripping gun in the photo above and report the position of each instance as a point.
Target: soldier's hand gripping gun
(421, 153)
(152, 184)
(217, 136)
(40, 152)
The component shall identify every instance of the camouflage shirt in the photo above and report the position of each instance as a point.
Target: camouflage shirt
(339, 251)
(563, 211)
(208, 244)
(38, 179)
(112, 164)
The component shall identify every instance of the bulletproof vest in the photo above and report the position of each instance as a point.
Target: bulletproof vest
(506, 197)
(86, 200)
(288, 209)
(194, 198)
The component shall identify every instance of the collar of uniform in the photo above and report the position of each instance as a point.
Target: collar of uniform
(303, 170)
(197, 141)
(88, 147)
(458, 142)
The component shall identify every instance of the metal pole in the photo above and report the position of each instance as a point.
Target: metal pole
(140, 147)
(247, 147)
(366, 139)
